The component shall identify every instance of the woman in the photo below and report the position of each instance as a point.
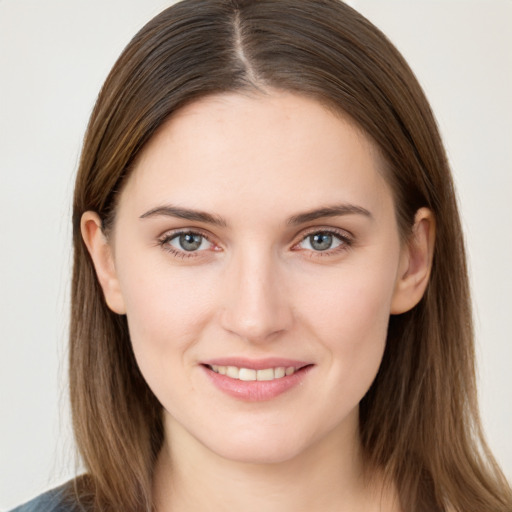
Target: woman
(270, 302)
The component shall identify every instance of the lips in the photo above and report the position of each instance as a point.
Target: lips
(255, 380)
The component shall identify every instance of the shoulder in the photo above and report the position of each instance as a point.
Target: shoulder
(59, 499)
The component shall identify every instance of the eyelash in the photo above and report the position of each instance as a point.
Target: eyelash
(346, 242)
(344, 238)
(167, 237)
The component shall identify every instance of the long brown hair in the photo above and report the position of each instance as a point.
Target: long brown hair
(419, 421)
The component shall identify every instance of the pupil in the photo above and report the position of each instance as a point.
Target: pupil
(321, 241)
(190, 242)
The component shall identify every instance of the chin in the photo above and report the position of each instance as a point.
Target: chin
(262, 447)
(257, 454)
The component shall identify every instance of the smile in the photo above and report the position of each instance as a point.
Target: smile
(250, 374)
(256, 380)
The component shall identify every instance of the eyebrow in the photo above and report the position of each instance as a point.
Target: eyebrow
(185, 213)
(295, 220)
(328, 211)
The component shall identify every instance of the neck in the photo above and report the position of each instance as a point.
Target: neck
(326, 477)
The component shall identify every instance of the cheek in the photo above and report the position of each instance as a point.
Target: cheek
(350, 300)
(349, 315)
(166, 310)
(166, 315)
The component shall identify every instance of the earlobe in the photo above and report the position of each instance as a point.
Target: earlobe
(102, 257)
(415, 263)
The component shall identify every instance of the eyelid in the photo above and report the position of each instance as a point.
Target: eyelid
(345, 236)
(168, 235)
(342, 233)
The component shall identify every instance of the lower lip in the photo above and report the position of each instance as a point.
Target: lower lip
(256, 391)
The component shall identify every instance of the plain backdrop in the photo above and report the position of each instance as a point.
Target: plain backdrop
(54, 56)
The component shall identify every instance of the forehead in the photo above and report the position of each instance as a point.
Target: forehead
(259, 149)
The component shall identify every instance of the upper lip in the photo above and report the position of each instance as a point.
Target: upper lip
(256, 364)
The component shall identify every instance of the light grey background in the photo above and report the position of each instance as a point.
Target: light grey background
(54, 56)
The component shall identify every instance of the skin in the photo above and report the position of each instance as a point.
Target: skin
(257, 288)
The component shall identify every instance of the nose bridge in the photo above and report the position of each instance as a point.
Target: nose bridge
(256, 306)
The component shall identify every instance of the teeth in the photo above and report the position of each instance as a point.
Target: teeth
(267, 374)
(248, 374)
(233, 372)
(279, 372)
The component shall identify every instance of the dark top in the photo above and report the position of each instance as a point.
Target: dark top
(57, 500)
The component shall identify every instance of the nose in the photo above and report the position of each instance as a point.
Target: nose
(256, 304)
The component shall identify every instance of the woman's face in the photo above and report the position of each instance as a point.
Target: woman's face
(257, 237)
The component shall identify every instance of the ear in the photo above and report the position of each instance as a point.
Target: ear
(415, 263)
(102, 257)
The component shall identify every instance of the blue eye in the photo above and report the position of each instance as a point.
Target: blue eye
(188, 242)
(322, 241)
